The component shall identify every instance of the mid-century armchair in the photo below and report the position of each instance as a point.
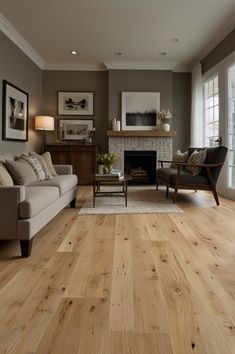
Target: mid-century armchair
(178, 178)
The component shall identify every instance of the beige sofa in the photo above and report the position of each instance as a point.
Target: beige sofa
(25, 210)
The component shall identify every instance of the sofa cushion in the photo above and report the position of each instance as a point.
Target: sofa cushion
(21, 172)
(47, 158)
(5, 177)
(37, 199)
(63, 182)
(169, 175)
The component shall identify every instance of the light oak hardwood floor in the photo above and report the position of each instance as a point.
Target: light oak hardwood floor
(124, 284)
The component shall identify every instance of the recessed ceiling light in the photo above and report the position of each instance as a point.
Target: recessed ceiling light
(117, 53)
(162, 53)
(175, 40)
(74, 52)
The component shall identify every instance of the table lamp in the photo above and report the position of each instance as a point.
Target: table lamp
(44, 123)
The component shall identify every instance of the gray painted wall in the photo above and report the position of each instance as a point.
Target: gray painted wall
(19, 70)
(221, 51)
(96, 81)
(182, 109)
(138, 80)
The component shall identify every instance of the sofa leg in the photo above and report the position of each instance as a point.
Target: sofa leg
(26, 247)
(73, 203)
(167, 191)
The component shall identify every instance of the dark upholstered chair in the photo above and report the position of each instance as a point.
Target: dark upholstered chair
(179, 178)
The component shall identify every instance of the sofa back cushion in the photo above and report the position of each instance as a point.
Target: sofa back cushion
(214, 155)
(21, 172)
(5, 177)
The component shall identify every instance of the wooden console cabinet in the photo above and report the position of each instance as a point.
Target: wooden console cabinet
(81, 157)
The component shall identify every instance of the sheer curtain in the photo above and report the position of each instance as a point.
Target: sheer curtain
(196, 129)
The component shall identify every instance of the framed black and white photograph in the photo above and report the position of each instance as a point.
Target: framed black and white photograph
(75, 129)
(14, 113)
(76, 103)
(139, 110)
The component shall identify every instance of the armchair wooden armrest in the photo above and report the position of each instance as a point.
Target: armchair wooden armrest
(206, 165)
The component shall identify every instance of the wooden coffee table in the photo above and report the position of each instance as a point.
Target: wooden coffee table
(100, 180)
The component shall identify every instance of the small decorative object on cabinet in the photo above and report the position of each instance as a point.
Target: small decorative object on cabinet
(81, 157)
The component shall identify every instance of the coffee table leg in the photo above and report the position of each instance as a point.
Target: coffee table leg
(125, 185)
(94, 192)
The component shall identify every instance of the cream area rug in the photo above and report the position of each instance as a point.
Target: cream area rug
(141, 200)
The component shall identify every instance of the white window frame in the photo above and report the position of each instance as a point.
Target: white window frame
(205, 123)
(221, 70)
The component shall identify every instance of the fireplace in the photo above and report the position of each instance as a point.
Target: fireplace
(141, 165)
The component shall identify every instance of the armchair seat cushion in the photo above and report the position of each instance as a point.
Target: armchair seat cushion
(169, 175)
(37, 199)
(63, 182)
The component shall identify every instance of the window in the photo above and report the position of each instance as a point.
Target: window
(231, 126)
(211, 112)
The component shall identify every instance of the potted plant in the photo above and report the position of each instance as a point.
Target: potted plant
(164, 116)
(107, 160)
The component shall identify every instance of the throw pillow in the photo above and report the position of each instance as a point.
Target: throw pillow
(47, 159)
(43, 164)
(197, 157)
(180, 157)
(34, 162)
(5, 177)
(21, 172)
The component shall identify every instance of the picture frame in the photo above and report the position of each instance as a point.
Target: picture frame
(139, 110)
(76, 103)
(75, 129)
(14, 113)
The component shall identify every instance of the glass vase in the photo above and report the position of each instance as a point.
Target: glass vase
(108, 166)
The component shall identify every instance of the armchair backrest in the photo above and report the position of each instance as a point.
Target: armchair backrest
(214, 155)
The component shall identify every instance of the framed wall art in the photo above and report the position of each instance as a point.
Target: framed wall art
(75, 129)
(139, 110)
(14, 113)
(76, 103)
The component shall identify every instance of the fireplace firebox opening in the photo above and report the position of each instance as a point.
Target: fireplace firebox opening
(141, 166)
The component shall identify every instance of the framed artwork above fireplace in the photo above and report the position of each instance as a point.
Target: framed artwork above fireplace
(139, 110)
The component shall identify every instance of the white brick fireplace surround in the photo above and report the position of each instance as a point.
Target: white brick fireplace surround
(118, 143)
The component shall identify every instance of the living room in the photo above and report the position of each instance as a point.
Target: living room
(152, 272)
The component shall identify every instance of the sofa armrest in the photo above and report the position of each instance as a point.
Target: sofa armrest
(10, 198)
(64, 169)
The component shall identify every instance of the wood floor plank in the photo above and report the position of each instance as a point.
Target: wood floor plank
(122, 300)
(74, 320)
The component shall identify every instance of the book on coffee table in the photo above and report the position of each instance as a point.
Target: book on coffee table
(109, 176)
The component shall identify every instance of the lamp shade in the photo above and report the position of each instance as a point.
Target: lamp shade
(44, 123)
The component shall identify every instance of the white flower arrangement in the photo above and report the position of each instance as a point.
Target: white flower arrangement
(164, 114)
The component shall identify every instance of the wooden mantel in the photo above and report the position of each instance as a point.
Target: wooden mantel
(139, 133)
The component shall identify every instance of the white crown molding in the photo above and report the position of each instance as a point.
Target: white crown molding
(139, 65)
(182, 69)
(10, 31)
(75, 67)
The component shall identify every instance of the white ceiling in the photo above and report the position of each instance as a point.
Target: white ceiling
(137, 28)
